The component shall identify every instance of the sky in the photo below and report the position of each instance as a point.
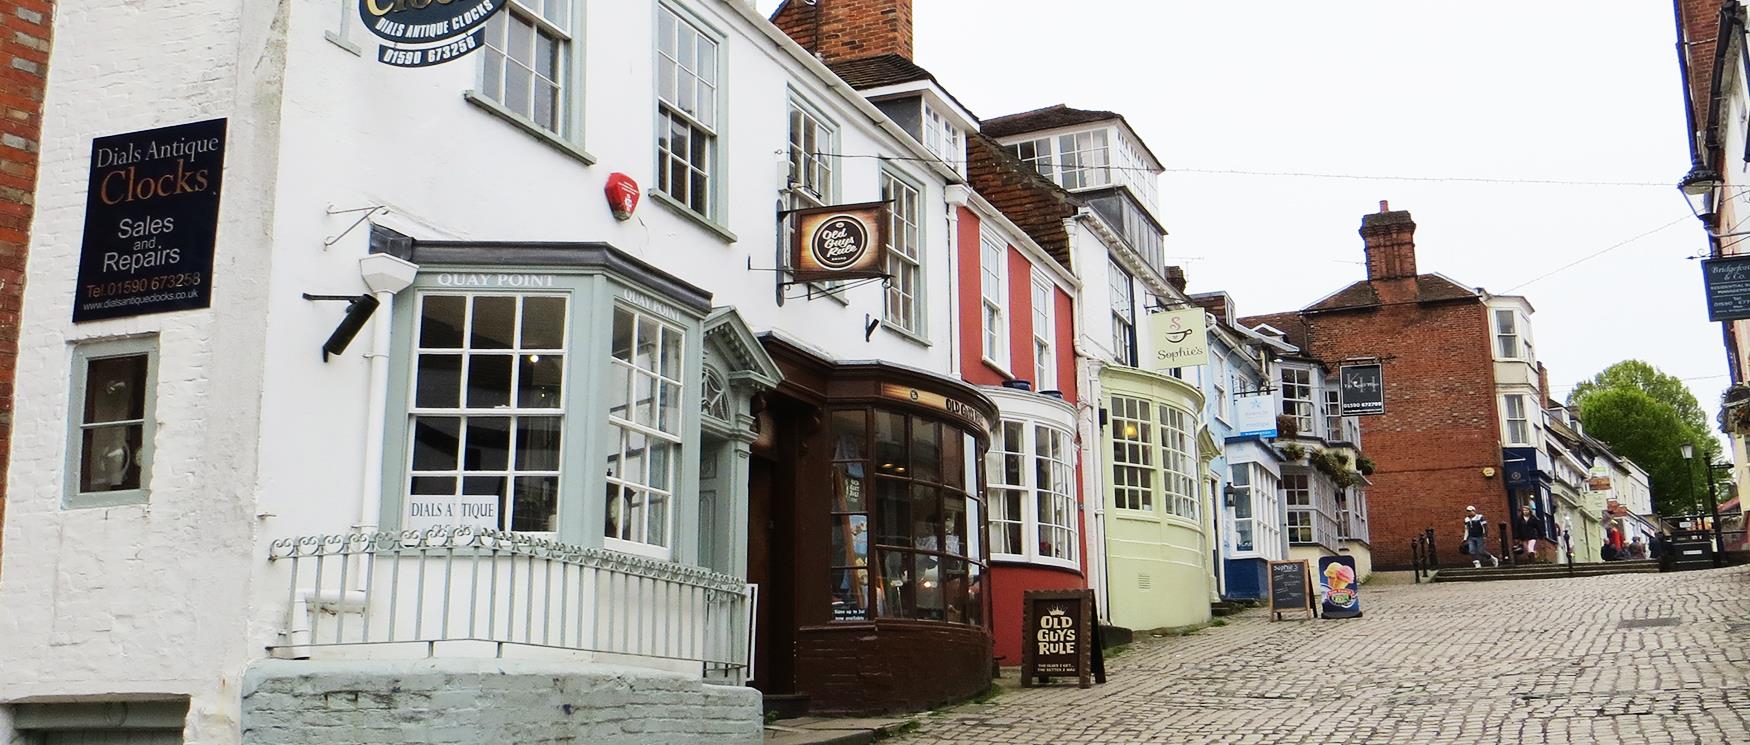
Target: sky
(1491, 90)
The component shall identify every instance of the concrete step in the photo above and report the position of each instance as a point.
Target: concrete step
(1545, 571)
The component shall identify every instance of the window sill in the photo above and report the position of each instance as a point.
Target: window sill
(911, 336)
(1036, 561)
(1143, 516)
(644, 550)
(534, 130)
(100, 500)
(997, 368)
(657, 196)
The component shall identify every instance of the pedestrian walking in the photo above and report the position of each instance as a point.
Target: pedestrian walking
(1528, 529)
(1636, 549)
(1612, 548)
(1476, 528)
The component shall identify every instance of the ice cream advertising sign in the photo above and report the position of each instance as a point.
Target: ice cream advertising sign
(1339, 592)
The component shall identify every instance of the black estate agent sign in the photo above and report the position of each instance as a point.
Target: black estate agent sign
(1363, 390)
(439, 30)
(151, 215)
(1728, 287)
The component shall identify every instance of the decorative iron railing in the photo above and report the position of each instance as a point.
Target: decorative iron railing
(472, 591)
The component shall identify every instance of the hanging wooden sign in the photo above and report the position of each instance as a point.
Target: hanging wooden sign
(842, 242)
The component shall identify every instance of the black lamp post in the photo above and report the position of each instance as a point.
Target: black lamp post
(1688, 452)
(1700, 188)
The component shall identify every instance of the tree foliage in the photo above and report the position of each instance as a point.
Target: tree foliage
(1647, 416)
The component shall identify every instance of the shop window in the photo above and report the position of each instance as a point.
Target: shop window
(644, 394)
(526, 65)
(1133, 465)
(110, 456)
(488, 411)
(686, 113)
(1179, 463)
(913, 483)
(1244, 529)
(1032, 494)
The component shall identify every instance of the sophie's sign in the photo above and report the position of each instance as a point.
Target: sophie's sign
(1363, 391)
(440, 30)
(1061, 639)
(151, 218)
(842, 242)
(1181, 338)
(1728, 287)
(1290, 588)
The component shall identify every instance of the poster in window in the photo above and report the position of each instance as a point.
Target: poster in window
(151, 220)
(1181, 338)
(839, 242)
(1363, 389)
(425, 512)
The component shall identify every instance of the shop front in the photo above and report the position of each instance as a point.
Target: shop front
(867, 536)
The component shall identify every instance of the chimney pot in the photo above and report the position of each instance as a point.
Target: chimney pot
(1384, 206)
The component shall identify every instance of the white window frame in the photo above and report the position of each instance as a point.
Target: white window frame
(702, 124)
(1298, 497)
(1245, 492)
(1509, 422)
(1179, 463)
(1038, 153)
(1122, 301)
(904, 308)
(993, 295)
(1333, 410)
(1084, 159)
(1220, 382)
(1031, 520)
(85, 353)
(1134, 468)
(943, 139)
(811, 182)
(1297, 398)
(1506, 334)
(1044, 298)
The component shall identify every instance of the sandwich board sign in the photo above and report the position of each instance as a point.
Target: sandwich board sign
(1291, 589)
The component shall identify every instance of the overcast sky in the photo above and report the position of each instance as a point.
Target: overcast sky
(1485, 89)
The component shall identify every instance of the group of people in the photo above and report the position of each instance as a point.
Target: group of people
(1528, 530)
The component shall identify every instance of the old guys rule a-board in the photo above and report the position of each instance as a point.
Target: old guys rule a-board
(151, 219)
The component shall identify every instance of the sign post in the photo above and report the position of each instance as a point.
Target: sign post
(1290, 589)
(1061, 637)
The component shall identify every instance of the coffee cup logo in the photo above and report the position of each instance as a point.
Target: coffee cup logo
(839, 242)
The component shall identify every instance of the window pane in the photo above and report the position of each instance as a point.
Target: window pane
(926, 450)
(953, 460)
(489, 380)
(850, 540)
(110, 458)
(954, 589)
(623, 334)
(926, 518)
(954, 523)
(895, 591)
(848, 435)
(441, 320)
(890, 452)
(435, 443)
(893, 513)
(488, 444)
(927, 578)
(115, 389)
(543, 323)
(848, 486)
(537, 504)
(494, 322)
(537, 446)
(850, 594)
(439, 381)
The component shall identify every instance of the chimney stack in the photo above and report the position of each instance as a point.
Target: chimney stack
(839, 30)
(1175, 276)
(1390, 237)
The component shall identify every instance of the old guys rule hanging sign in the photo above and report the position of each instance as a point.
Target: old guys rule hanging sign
(422, 33)
(151, 216)
(839, 242)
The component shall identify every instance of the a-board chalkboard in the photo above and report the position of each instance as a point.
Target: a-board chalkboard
(1060, 630)
(1290, 588)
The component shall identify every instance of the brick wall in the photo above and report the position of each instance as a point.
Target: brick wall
(849, 29)
(498, 701)
(24, 47)
(1440, 429)
(891, 666)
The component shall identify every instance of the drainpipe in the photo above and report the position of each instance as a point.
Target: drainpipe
(385, 275)
(956, 196)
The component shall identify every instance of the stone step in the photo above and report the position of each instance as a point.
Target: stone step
(1544, 571)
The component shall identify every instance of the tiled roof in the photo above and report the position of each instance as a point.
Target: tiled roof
(883, 70)
(1430, 288)
(1354, 296)
(1292, 326)
(1029, 200)
(1050, 117)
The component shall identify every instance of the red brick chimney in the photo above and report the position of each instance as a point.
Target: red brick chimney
(1390, 237)
(1543, 387)
(838, 30)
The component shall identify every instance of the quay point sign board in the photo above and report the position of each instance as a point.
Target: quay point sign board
(151, 219)
(843, 242)
(1181, 338)
(422, 33)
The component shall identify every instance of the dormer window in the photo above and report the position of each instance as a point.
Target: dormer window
(1074, 161)
(944, 140)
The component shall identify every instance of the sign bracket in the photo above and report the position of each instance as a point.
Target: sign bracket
(370, 212)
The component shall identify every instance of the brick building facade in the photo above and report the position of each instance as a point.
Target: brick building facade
(1438, 446)
(25, 48)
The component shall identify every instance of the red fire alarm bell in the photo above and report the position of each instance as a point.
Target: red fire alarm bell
(622, 194)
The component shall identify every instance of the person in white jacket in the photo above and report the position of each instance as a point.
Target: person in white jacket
(1476, 528)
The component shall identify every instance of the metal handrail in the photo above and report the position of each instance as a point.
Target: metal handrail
(486, 589)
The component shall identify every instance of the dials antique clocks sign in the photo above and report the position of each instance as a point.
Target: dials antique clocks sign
(422, 33)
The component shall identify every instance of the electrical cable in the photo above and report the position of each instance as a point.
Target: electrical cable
(1593, 255)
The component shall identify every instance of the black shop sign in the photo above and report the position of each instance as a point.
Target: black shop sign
(151, 219)
(1727, 280)
(1363, 389)
(1062, 637)
(422, 33)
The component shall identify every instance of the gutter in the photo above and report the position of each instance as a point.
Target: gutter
(1688, 92)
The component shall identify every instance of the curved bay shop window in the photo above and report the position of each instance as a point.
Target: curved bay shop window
(644, 393)
(905, 526)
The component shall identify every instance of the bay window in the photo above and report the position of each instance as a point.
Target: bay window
(645, 397)
(1179, 462)
(1133, 465)
(1033, 513)
(488, 412)
(1297, 398)
(1297, 491)
(1518, 425)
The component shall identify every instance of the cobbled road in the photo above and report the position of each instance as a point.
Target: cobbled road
(1529, 661)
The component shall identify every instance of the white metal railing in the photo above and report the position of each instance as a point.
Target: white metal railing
(471, 591)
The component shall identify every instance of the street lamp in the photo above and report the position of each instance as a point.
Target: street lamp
(1699, 187)
(1688, 451)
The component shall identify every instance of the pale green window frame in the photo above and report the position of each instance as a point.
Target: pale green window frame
(84, 354)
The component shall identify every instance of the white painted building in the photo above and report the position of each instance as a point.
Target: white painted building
(572, 377)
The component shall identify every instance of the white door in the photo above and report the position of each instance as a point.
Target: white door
(112, 737)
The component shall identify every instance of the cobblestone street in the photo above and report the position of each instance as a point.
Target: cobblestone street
(1537, 661)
